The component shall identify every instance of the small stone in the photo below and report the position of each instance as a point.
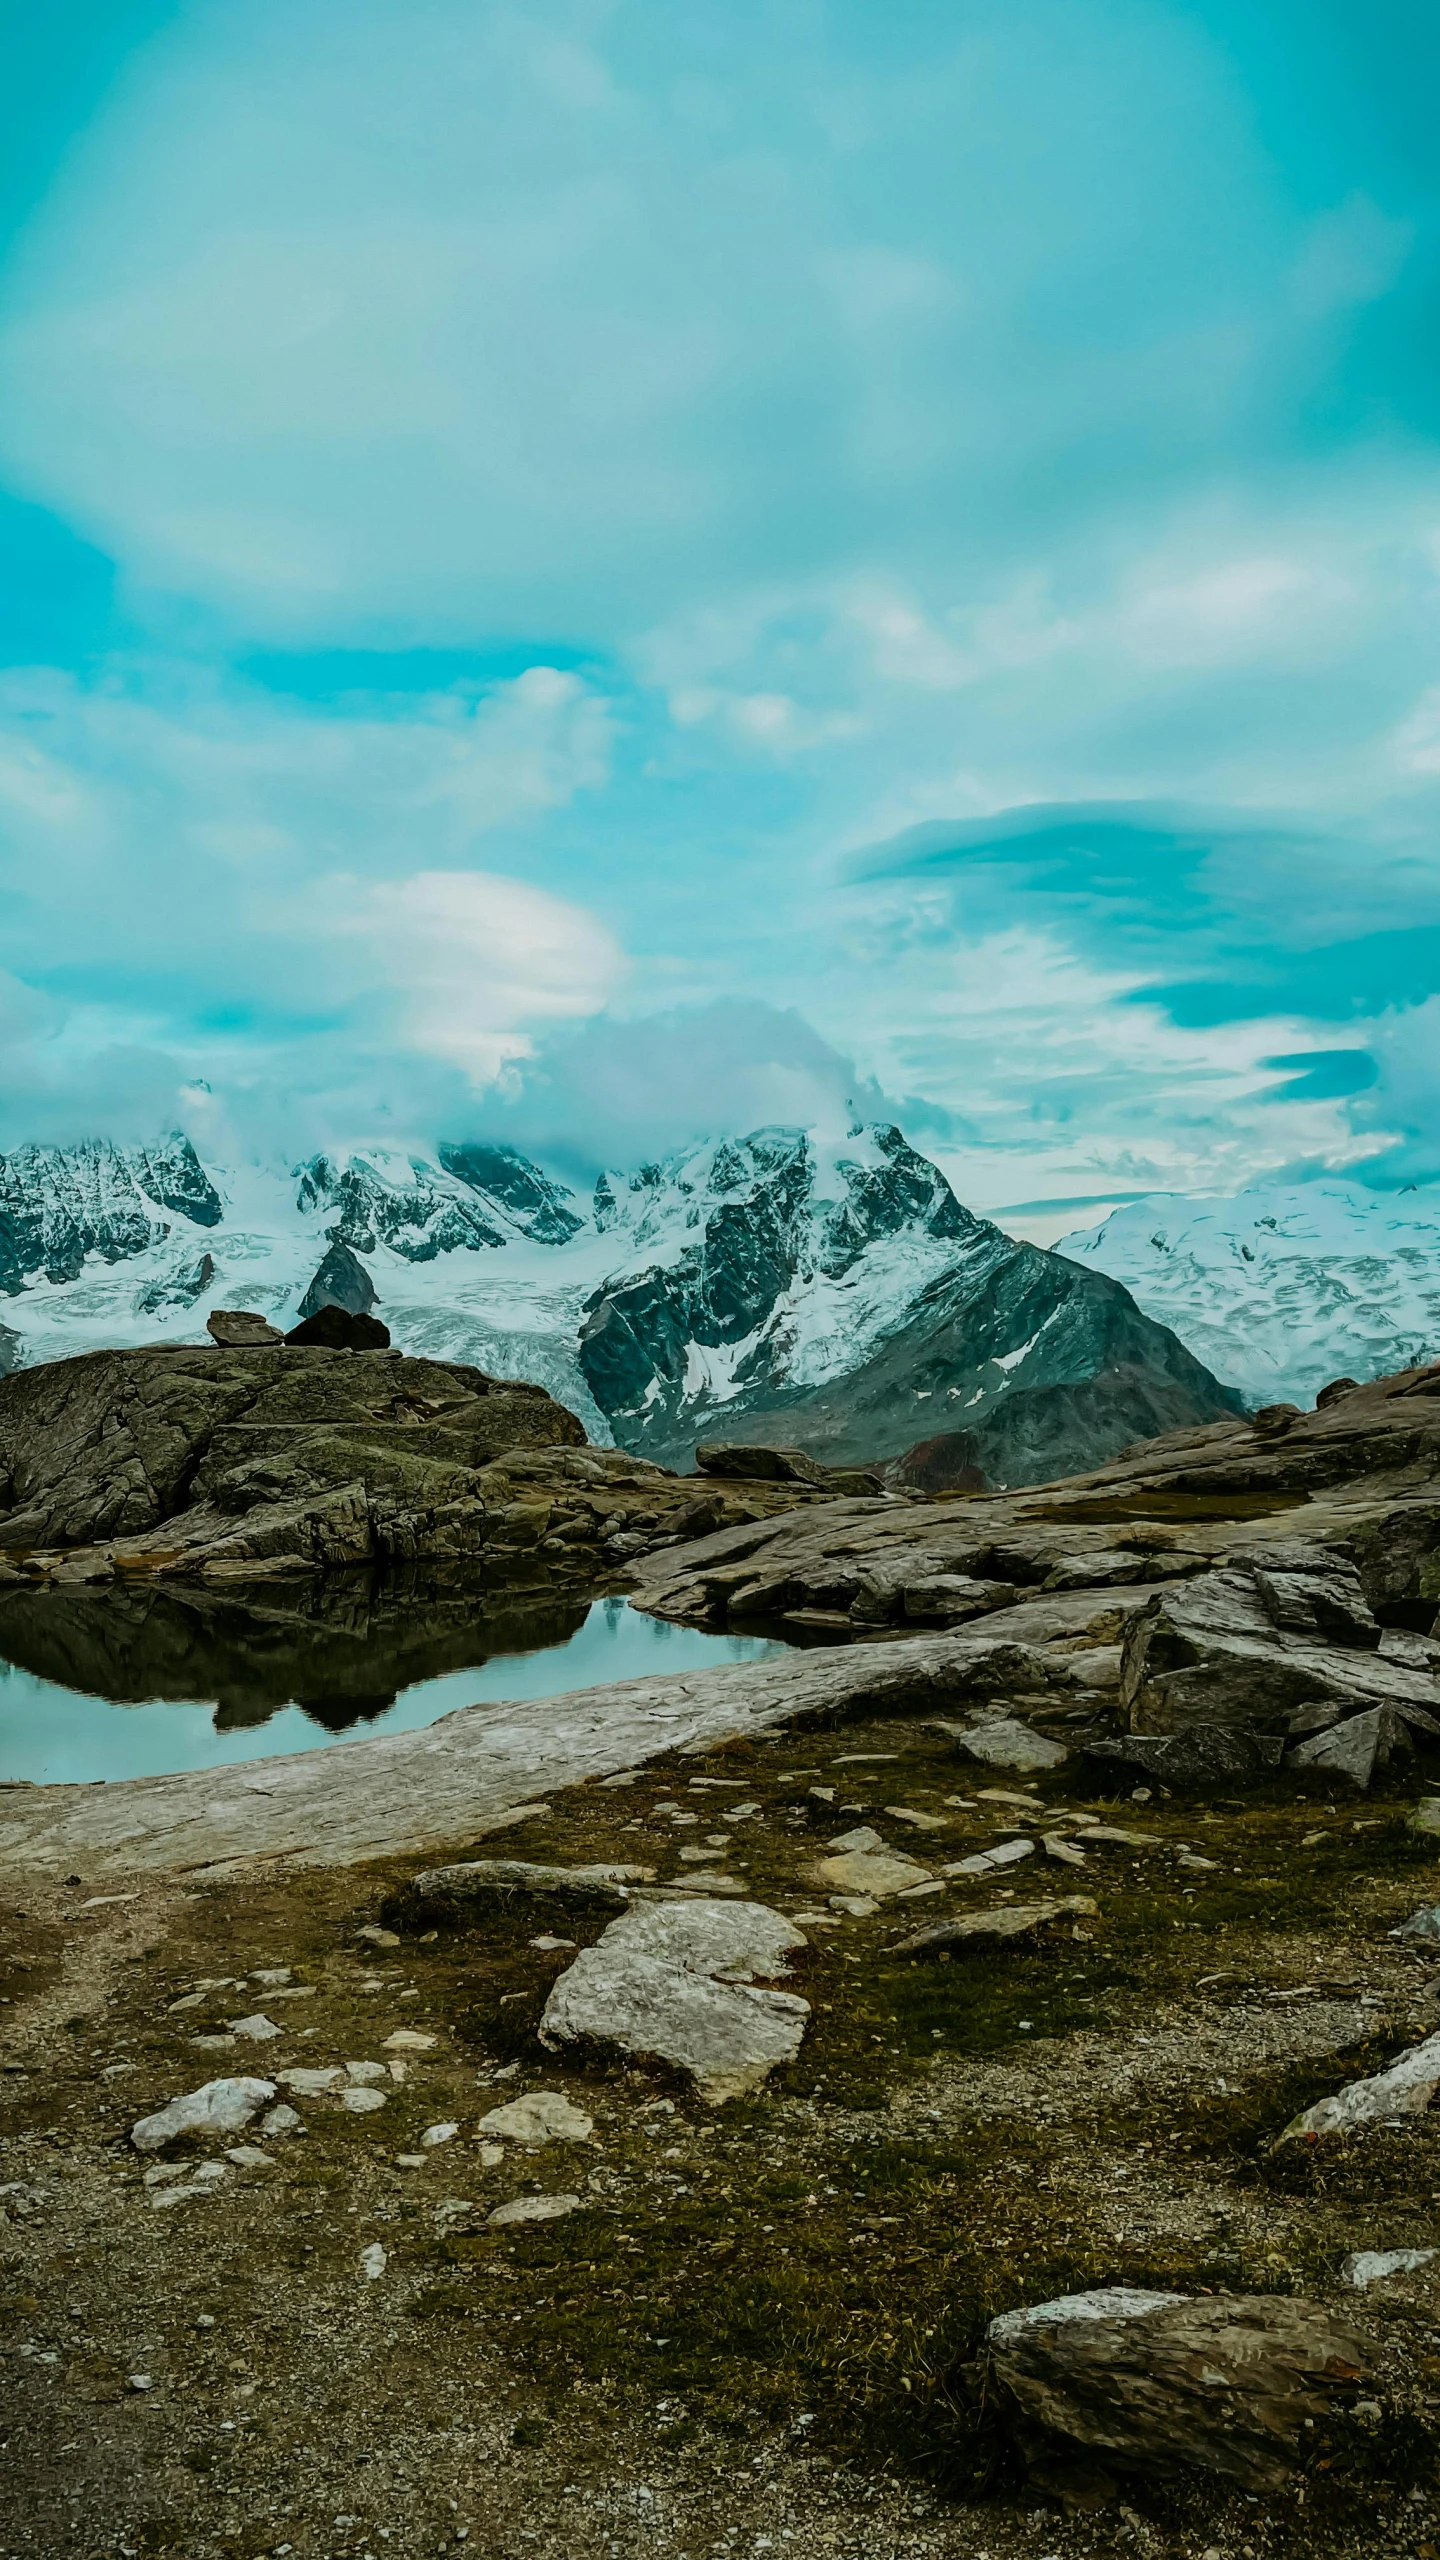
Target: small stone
(308, 2082)
(257, 2029)
(273, 1977)
(861, 1838)
(1006, 1743)
(205, 2320)
(1062, 1851)
(1406, 2089)
(210, 2172)
(435, 2134)
(533, 2209)
(544, 2116)
(378, 1937)
(373, 2262)
(982, 1928)
(855, 1906)
(698, 1857)
(1426, 1817)
(362, 2102)
(865, 1871)
(409, 2159)
(987, 1861)
(281, 2120)
(363, 2075)
(1424, 1923)
(1365, 2267)
(248, 2155)
(491, 2154)
(162, 2172)
(917, 1821)
(551, 1946)
(221, 2106)
(410, 2040)
(137, 2382)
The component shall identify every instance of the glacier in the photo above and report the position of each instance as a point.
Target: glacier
(1282, 1287)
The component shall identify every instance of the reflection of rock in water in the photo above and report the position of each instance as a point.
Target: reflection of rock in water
(341, 1649)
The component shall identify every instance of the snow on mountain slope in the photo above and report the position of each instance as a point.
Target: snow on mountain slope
(754, 1275)
(1283, 1287)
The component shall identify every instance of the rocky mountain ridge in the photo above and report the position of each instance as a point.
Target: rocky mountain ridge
(833, 1295)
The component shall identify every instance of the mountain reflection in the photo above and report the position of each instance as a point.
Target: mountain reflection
(340, 1649)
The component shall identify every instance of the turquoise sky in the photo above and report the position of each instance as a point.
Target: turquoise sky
(597, 571)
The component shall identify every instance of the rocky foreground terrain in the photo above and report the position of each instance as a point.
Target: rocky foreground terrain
(657, 2120)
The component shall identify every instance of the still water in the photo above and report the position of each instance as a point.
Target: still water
(133, 1683)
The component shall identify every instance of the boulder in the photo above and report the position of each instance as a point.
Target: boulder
(1388, 2097)
(1273, 1635)
(1202, 1757)
(675, 1983)
(336, 1329)
(1422, 1924)
(341, 1281)
(221, 2106)
(236, 1329)
(487, 1884)
(1163, 2384)
(992, 1928)
(1357, 1748)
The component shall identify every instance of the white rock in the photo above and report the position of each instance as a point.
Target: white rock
(534, 2209)
(221, 2106)
(272, 1978)
(162, 2172)
(363, 2102)
(363, 2075)
(862, 1837)
(674, 1981)
(308, 2081)
(543, 2116)
(490, 2154)
(248, 2155)
(1006, 1743)
(1365, 2267)
(988, 1862)
(551, 1946)
(917, 1821)
(373, 2261)
(435, 2134)
(1406, 2089)
(862, 1871)
(410, 2040)
(257, 2029)
(1105, 2302)
(281, 2120)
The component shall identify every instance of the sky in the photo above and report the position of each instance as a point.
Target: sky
(599, 571)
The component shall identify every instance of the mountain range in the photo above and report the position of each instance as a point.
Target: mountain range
(775, 1287)
(1283, 1287)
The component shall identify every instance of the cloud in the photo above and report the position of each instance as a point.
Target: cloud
(208, 880)
(618, 1092)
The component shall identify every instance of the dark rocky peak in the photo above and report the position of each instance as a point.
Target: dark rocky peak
(394, 1200)
(59, 1205)
(501, 1175)
(341, 1281)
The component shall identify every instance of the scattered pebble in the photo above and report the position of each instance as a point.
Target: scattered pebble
(362, 2102)
(533, 2209)
(373, 2261)
(435, 2134)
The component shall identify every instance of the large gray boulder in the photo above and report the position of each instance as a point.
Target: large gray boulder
(1161, 2383)
(676, 1983)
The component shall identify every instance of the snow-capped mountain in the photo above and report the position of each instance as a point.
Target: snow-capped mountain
(1283, 1287)
(764, 1276)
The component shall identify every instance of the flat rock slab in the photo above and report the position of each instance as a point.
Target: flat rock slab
(1365, 2267)
(1160, 2383)
(488, 1884)
(877, 1873)
(1006, 1743)
(991, 1928)
(533, 2209)
(466, 1774)
(675, 1983)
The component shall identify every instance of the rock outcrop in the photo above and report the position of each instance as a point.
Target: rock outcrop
(1161, 2383)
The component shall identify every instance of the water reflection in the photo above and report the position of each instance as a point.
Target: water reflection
(122, 1682)
(341, 1650)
